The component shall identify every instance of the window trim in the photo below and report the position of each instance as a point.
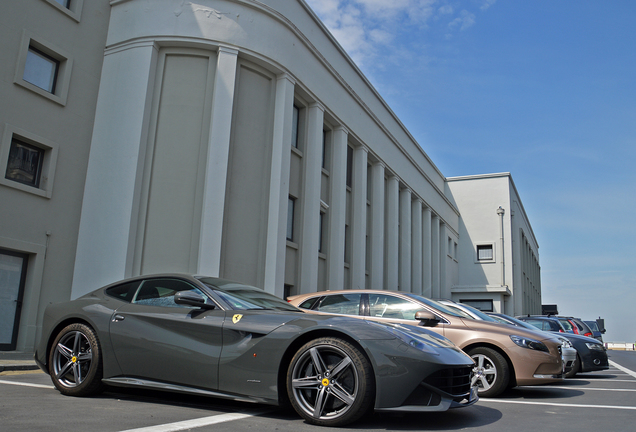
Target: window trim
(73, 11)
(49, 160)
(63, 78)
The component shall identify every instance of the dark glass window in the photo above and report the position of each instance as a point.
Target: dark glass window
(346, 304)
(41, 70)
(290, 218)
(124, 292)
(25, 163)
(349, 166)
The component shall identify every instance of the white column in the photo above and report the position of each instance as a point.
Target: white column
(405, 240)
(427, 275)
(279, 187)
(377, 227)
(115, 164)
(337, 209)
(443, 259)
(435, 292)
(310, 213)
(359, 218)
(416, 247)
(209, 260)
(392, 232)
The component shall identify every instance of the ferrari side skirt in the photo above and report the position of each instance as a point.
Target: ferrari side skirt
(157, 385)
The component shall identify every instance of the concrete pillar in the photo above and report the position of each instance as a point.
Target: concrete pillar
(392, 233)
(337, 209)
(279, 187)
(405, 240)
(416, 247)
(359, 218)
(377, 227)
(443, 260)
(310, 213)
(436, 293)
(427, 245)
(116, 158)
(209, 259)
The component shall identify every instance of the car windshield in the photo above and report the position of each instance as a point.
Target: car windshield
(592, 325)
(515, 321)
(566, 325)
(438, 306)
(245, 297)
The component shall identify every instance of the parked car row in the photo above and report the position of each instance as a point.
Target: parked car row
(591, 353)
(505, 356)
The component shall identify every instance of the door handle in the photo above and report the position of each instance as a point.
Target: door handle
(118, 318)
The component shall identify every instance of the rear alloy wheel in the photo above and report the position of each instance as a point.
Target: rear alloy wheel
(491, 371)
(75, 361)
(330, 382)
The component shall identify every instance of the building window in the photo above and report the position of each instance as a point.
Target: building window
(290, 218)
(25, 163)
(41, 70)
(485, 252)
(295, 124)
(72, 8)
(482, 305)
(321, 225)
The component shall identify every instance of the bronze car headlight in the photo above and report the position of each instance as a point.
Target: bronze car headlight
(532, 344)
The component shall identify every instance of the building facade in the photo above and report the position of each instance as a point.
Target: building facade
(232, 138)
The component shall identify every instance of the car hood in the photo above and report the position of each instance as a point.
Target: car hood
(506, 329)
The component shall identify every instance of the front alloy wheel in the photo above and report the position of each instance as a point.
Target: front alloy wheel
(330, 382)
(491, 372)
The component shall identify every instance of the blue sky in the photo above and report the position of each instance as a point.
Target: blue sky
(543, 89)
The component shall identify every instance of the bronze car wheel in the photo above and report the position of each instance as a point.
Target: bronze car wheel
(491, 372)
(75, 361)
(330, 382)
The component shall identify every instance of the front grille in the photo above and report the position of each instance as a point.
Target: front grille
(455, 381)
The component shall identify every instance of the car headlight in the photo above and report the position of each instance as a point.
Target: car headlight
(594, 347)
(565, 343)
(532, 344)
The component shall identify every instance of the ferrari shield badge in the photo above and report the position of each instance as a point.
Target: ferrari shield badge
(236, 318)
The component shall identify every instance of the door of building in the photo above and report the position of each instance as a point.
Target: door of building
(13, 268)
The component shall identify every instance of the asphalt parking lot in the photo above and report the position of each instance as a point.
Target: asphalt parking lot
(603, 400)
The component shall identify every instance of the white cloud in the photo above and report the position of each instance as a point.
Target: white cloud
(365, 28)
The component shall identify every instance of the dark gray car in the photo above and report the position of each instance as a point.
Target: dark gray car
(220, 338)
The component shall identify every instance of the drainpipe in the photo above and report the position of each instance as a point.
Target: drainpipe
(501, 212)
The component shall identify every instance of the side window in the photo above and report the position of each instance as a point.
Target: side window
(160, 292)
(387, 306)
(309, 303)
(346, 304)
(124, 292)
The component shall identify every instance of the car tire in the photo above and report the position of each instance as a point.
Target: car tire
(330, 382)
(75, 361)
(491, 372)
(576, 368)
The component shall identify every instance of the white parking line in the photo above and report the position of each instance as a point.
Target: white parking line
(623, 369)
(558, 404)
(196, 423)
(27, 384)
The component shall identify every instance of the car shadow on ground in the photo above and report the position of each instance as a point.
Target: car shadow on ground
(455, 419)
(540, 392)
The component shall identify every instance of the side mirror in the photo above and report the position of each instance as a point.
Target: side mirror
(426, 318)
(191, 298)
